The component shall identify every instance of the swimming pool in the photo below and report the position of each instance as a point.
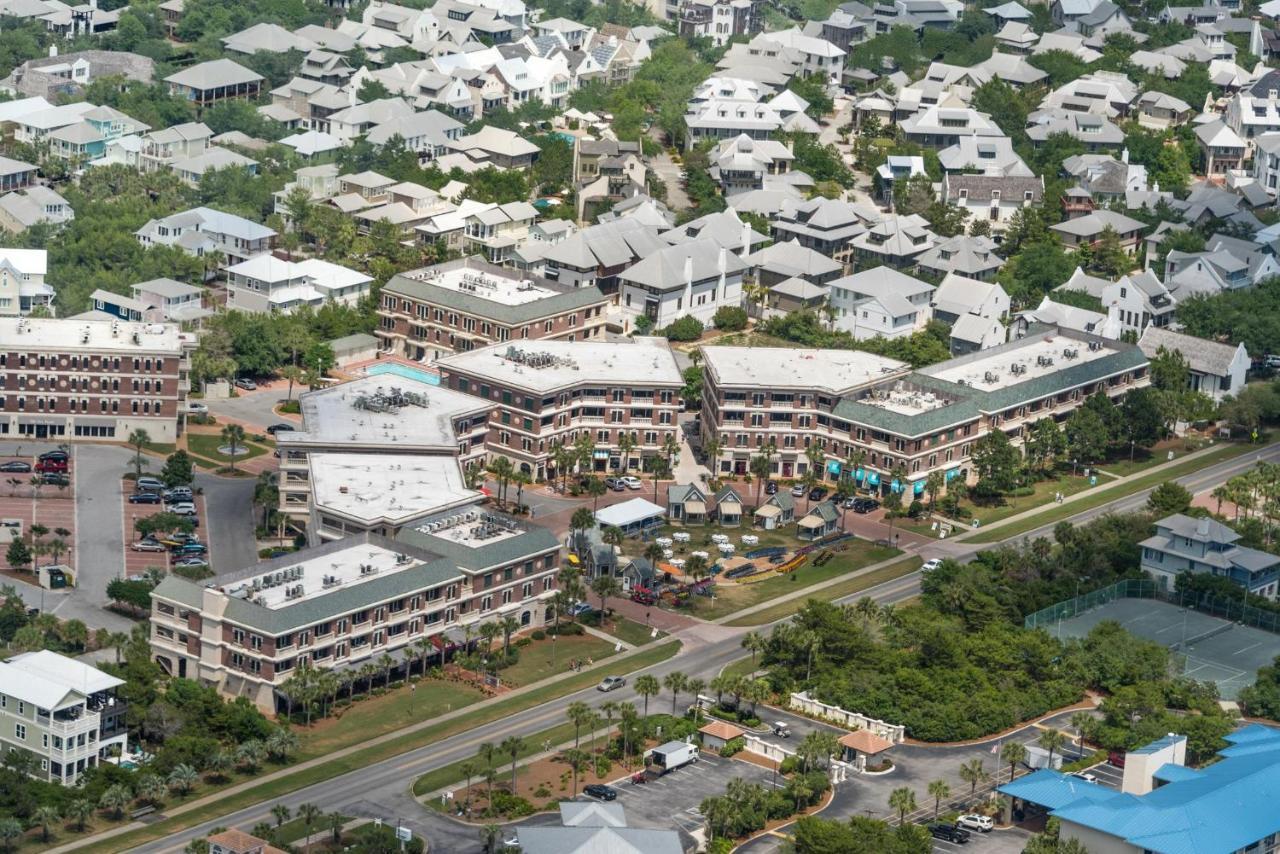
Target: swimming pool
(401, 370)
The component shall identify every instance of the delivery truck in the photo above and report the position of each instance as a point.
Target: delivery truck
(672, 755)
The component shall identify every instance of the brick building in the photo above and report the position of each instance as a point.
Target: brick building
(552, 392)
(465, 304)
(64, 379)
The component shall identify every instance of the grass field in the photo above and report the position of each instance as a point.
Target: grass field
(336, 766)
(206, 445)
(1103, 494)
(730, 599)
(849, 587)
(544, 658)
(1042, 495)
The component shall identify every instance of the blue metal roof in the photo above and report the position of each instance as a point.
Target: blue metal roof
(1173, 773)
(1219, 809)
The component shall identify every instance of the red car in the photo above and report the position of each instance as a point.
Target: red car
(643, 596)
(51, 466)
(1116, 758)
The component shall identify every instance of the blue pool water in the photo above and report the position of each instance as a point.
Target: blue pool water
(400, 370)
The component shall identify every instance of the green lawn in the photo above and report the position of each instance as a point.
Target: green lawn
(269, 791)
(294, 829)
(373, 716)
(1043, 493)
(1144, 460)
(164, 449)
(629, 631)
(544, 658)
(741, 667)
(731, 598)
(829, 594)
(450, 774)
(206, 445)
(1104, 494)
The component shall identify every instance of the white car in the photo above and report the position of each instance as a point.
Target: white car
(197, 408)
(931, 565)
(1086, 776)
(631, 482)
(981, 823)
(182, 508)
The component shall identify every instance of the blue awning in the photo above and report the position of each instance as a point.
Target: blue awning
(873, 478)
(896, 486)
(919, 487)
(952, 473)
(833, 467)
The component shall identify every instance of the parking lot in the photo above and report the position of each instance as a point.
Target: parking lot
(137, 563)
(53, 506)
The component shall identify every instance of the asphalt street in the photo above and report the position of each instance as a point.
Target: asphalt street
(707, 650)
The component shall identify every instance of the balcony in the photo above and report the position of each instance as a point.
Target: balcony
(69, 722)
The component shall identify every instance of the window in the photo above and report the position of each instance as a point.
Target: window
(20, 732)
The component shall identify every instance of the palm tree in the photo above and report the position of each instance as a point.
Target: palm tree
(801, 791)
(139, 439)
(219, 764)
(249, 755)
(468, 770)
(335, 820)
(502, 470)
(1051, 740)
(647, 686)
(10, 832)
(627, 714)
(626, 444)
(675, 682)
(115, 798)
(44, 816)
(579, 714)
(79, 811)
(756, 691)
(595, 488)
(604, 586)
(654, 553)
(508, 625)
(761, 467)
(489, 836)
(521, 479)
(612, 535)
(233, 438)
(938, 790)
(577, 763)
(386, 664)
(486, 752)
(308, 814)
(1011, 754)
(513, 746)
(281, 813)
(582, 520)
(973, 773)
(902, 800)
(1079, 722)
(695, 687)
(183, 778)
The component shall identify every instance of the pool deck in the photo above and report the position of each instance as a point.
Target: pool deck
(355, 370)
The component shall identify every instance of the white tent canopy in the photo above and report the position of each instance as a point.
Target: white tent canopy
(630, 515)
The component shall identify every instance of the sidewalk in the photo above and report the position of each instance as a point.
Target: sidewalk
(1116, 485)
(592, 630)
(87, 842)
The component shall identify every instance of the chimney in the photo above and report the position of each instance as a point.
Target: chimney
(53, 51)
(746, 240)
(1124, 156)
(723, 263)
(688, 270)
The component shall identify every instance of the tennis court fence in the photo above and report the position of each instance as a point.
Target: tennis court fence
(1230, 609)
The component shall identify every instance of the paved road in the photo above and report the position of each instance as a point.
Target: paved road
(707, 650)
(254, 408)
(669, 172)
(229, 523)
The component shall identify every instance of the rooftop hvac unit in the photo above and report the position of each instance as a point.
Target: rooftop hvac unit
(1095, 345)
(989, 377)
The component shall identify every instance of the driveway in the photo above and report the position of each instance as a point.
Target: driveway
(669, 171)
(228, 523)
(255, 409)
(100, 540)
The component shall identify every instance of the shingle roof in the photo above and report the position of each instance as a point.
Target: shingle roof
(209, 75)
(1207, 357)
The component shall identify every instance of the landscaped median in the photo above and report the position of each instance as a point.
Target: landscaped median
(836, 588)
(1106, 494)
(375, 750)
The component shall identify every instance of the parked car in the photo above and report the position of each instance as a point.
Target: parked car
(632, 482)
(780, 729)
(183, 508)
(1116, 758)
(59, 466)
(177, 494)
(817, 493)
(246, 383)
(197, 408)
(949, 832)
(191, 562)
(864, 505)
(54, 455)
(190, 548)
(55, 478)
(149, 484)
(615, 483)
(599, 790)
(798, 490)
(931, 565)
(980, 823)
(1086, 776)
(643, 596)
(579, 608)
(147, 546)
(771, 488)
(611, 683)
(280, 428)
(144, 498)
(15, 466)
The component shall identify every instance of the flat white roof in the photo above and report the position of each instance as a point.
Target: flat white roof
(1038, 356)
(832, 371)
(69, 335)
(392, 412)
(486, 285)
(319, 575)
(473, 528)
(390, 488)
(903, 398)
(542, 366)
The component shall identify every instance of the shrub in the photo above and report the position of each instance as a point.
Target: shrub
(1087, 761)
(542, 792)
(789, 765)
(603, 766)
(566, 629)
(508, 805)
(538, 634)
(1022, 491)
(523, 642)
(916, 509)
(687, 328)
(730, 318)
(732, 746)
(291, 407)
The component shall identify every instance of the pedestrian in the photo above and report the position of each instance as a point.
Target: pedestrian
(646, 618)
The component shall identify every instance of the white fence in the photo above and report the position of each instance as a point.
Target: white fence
(802, 702)
(838, 770)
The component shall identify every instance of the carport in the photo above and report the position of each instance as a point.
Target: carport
(862, 744)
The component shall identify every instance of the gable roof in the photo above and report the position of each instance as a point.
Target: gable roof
(1203, 356)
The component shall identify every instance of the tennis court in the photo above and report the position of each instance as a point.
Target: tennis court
(1215, 650)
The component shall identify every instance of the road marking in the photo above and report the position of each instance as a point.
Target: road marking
(1249, 647)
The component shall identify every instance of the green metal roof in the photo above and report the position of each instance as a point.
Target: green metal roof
(533, 540)
(567, 300)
